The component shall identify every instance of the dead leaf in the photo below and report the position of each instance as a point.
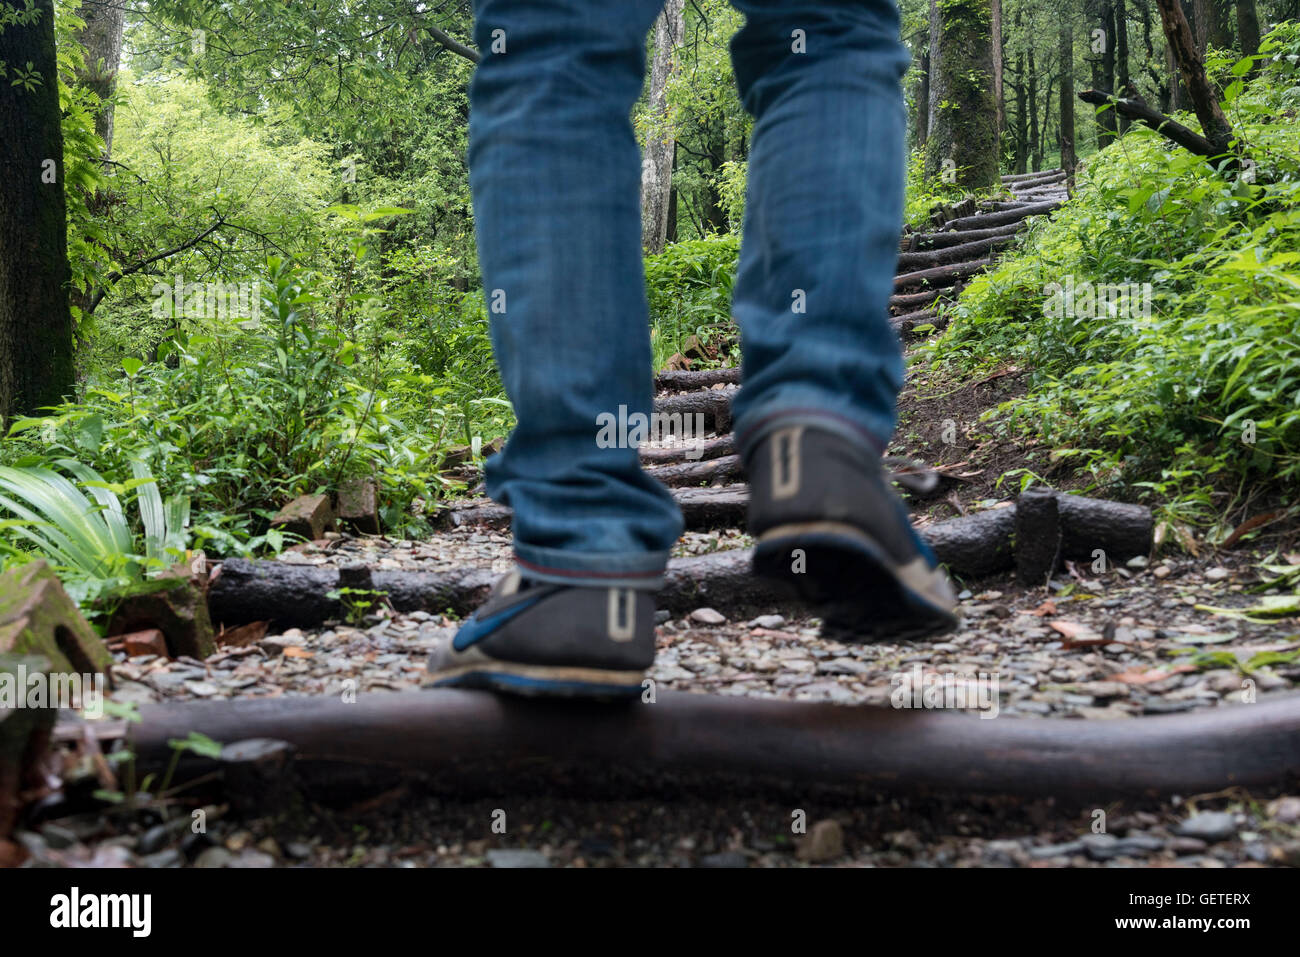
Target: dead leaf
(1067, 628)
(243, 635)
(1151, 675)
(1250, 524)
(1046, 608)
(295, 652)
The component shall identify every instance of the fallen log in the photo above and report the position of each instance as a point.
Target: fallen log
(907, 322)
(682, 380)
(910, 301)
(984, 220)
(468, 743)
(1170, 129)
(970, 547)
(709, 411)
(962, 236)
(726, 468)
(941, 276)
(1043, 180)
(1021, 177)
(688, 451)
(952, 254)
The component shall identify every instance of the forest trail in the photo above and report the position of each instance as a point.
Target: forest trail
(1135, 638)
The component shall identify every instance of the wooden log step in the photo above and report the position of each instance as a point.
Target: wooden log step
(985, 220)
(709, 410)
(959, 237)
(927, 258)
(909, 302)
(466, 743)
(970, 547)
(1020, 177)
(688, 473)
(682, 380)
(688, 452)
(941, 276)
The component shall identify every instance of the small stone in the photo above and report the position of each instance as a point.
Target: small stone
(1216, 574)
(824, 842)
(1137, 561)
(1101, 847)
(843, 666)
(767, 621)
(1162, 571)
(1055, 850)
(1285, 810)
(167, 857)
(57, 836)
(724, 859)
(662, 615)
(1210, 826)
(253, 859)
(275, 644)
(707, 616)
(1103, 689)
(1187, 845)
(214, 857)
(516, 857)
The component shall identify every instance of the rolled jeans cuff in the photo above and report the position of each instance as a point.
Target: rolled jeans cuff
(640, 570)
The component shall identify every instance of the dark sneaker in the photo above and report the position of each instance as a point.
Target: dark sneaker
(535, 638)
(827, 522)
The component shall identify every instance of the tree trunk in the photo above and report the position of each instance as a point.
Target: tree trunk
(1248, 27)
(671, 232)
(102, 38)
(1101, 17)
(963, 135)
(1195, 13)
(1031, 94)
(1121, 57)
(1065, 58)
(35, 323)
(1219, 26)
(922, 126)
(657, 163)
(1022, 117)
(1205, 99)
(995, 30)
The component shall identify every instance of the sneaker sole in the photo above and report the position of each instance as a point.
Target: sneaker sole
(861, 592)
(541, 680)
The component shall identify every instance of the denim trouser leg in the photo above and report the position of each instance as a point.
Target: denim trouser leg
(822, 217)
(555, 173)
(554, 169)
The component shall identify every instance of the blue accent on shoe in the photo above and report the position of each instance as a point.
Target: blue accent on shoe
(507, 682)
(476, 629)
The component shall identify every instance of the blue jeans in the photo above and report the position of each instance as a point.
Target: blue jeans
(555, 173)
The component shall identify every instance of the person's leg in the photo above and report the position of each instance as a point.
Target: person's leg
(555, 174)
(822, 368)
(822, 217)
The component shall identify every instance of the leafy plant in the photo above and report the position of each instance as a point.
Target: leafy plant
(92, 542)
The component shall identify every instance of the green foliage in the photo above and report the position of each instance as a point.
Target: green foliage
(1202, 393)
(689, 286)
(93, 545)
(242, 416)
